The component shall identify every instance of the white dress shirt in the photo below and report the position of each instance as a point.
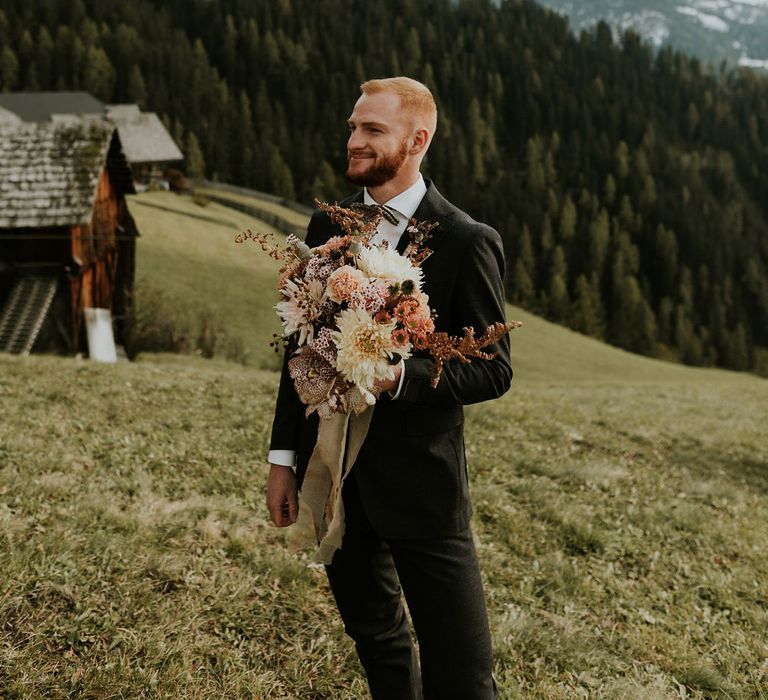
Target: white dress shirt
(403, 206)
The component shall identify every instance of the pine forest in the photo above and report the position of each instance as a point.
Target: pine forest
(630, 186)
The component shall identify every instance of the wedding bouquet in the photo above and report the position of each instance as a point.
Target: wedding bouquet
(351, 310)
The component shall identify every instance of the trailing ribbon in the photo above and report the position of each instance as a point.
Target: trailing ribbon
(320, 523)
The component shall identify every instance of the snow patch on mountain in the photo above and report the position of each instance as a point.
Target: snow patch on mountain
(654, 24)
(754, 62)
(712, 22)
(714, 30)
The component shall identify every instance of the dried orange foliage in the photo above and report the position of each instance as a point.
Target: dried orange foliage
(443, 347)
(358, 220)
(265, 240)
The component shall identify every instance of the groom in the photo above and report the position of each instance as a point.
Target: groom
(406, 498)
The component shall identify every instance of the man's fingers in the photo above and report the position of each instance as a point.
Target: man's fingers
(284, 513)
(274, 513)
(282, 501)
(293, 507)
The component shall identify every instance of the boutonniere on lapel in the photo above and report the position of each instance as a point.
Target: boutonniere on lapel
(419, 232)
(352, 310)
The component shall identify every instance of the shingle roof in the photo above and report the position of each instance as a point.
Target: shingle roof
(41, 106)
(144, 138)
(49, 172)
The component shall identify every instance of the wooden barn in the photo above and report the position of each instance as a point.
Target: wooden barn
(67, 240)
(148, 147)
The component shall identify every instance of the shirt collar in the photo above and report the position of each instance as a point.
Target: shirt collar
(406, 203)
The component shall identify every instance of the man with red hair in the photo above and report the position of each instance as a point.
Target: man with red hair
(406, 498)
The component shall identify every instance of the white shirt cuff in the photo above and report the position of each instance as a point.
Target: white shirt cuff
(400, 383)
(285, 458)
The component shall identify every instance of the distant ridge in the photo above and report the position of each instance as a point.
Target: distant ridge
(724, 30)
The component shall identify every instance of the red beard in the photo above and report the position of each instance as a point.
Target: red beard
(383, 169)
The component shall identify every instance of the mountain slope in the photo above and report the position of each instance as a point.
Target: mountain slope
(714, 30)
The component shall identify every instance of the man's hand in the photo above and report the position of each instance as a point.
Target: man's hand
(282, 495)
(389, 384)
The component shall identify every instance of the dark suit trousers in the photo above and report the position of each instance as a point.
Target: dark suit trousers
(441, 582)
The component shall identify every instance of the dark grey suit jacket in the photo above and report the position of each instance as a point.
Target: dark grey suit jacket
(411, 472)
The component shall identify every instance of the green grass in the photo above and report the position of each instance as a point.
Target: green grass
(189, 268)
(620, 510)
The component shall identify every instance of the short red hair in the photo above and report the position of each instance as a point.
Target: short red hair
(415, 99)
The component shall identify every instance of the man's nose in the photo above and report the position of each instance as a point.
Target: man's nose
(355, 141)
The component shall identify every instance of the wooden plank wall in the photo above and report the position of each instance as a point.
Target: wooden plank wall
(95, 246)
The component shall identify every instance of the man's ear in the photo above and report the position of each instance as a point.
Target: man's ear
(419, 141)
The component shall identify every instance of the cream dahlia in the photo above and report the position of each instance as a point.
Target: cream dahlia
(389, 266)
(364, 348)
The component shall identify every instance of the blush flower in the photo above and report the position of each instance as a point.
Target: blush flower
(419, 340)
(414, 313)
(400, 337)
(423, 310)
(344, 282)
(406, 309)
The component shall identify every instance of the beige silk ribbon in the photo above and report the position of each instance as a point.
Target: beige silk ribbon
(320, 523)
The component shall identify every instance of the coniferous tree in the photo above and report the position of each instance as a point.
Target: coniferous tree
(280, 176)
(557, 291)
(137, 89)
(568, 219)
(9, 69)
(44, 58)
(599, 236)
(195, 163)
(98, 73)
(586, 312)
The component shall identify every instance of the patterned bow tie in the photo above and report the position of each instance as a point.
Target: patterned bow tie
(387, 213)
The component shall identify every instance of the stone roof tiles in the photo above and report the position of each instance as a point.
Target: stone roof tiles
(49, 172)
(144, 138)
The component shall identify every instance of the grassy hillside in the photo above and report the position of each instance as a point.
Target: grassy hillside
(295, 218)
(190, 269)
(620, 510)
(187, 258)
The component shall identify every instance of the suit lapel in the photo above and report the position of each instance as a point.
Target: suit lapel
(433, 207)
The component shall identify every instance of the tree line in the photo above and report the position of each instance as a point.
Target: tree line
(630, 186)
